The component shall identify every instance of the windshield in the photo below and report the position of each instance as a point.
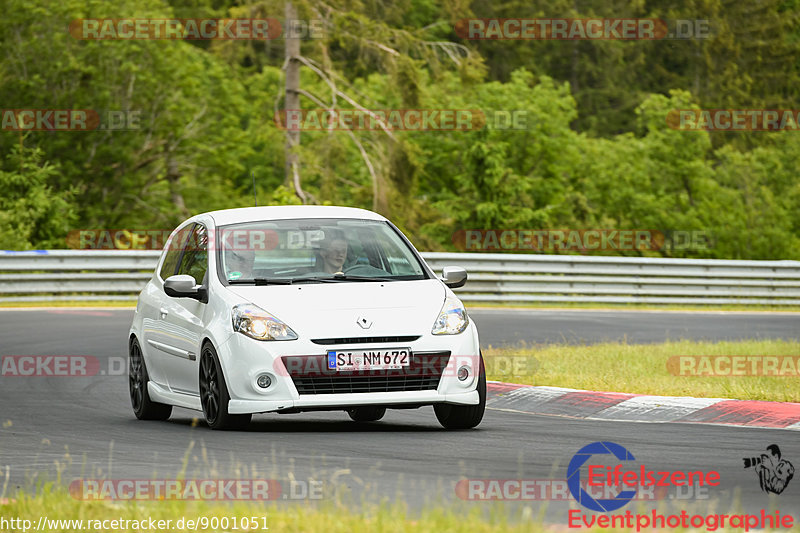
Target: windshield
(315, 250)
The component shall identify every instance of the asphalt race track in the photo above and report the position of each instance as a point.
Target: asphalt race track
(84, 427)
(499, 326)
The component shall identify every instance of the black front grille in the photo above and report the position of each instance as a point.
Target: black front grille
(311, 375)
(366, 340)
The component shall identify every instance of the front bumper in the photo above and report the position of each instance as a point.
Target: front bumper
(344, 401)
(244, 359)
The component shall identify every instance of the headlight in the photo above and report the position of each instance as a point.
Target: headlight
(452, 318)
(260, 325)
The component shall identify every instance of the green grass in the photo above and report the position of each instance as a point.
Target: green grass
(54, 503)
(328, 517)
(641, 369)
(635, 306)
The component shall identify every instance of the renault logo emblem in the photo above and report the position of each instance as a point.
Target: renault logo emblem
(363, 322)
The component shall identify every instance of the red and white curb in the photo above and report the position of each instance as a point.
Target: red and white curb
(623, 407)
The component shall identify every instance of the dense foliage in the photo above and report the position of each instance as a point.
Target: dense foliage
(596, 151)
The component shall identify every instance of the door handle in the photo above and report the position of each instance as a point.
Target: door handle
(163, 312)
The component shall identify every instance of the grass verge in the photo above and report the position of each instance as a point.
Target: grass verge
(57, 505)
(642, 369)
(709, 308)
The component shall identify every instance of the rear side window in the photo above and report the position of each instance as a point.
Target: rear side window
(195, 255)
(173, 253)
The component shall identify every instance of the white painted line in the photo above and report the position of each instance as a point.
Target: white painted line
(527, 399)
(593, 419)
(640, 409)
(655, 408)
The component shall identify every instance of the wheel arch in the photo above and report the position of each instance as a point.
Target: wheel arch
(207, 340)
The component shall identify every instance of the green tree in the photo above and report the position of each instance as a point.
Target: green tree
(32, 213)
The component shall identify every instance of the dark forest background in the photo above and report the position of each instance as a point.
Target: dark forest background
(596, 152)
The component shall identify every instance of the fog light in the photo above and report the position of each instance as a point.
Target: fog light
(264, 381)
(463, 373)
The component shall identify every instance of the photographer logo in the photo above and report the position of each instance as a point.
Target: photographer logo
(774, 473)
(574, 477)
(629, 476)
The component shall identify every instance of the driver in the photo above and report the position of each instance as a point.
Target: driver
(333, 252)
(239, 263)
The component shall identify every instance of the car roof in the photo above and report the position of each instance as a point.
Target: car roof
(284, 212)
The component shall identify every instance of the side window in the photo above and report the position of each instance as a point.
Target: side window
(195, 256)
(173, 252)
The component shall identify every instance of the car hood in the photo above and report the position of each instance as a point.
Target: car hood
(326, 310)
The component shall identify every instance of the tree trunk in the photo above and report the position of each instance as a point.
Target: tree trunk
(173, 178)
(292, 102)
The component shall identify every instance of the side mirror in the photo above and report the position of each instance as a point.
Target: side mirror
(184, 286)
(454, 277)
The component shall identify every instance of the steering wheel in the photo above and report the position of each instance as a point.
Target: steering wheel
(366, 270)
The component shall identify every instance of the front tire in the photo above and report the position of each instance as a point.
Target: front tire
(366, 414)
(464, 416)
(214, 394)
(143, 407)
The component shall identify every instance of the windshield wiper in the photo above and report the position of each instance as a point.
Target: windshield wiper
(313, 279)
(261, 281)
(346, 277)
(278, 281)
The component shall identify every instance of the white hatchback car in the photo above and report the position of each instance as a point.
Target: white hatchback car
(301, 308)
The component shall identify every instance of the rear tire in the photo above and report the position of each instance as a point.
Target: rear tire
(214, 395)
(366, 414)
(143, 407)
(464, 416)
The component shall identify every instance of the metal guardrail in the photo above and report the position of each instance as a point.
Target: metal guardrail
(119, 275)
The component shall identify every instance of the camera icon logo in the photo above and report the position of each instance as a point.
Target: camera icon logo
(774, 473)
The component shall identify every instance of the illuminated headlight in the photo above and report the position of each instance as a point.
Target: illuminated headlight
(260, 325)
(452, 318)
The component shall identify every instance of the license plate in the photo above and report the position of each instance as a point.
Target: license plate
(391, 359)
